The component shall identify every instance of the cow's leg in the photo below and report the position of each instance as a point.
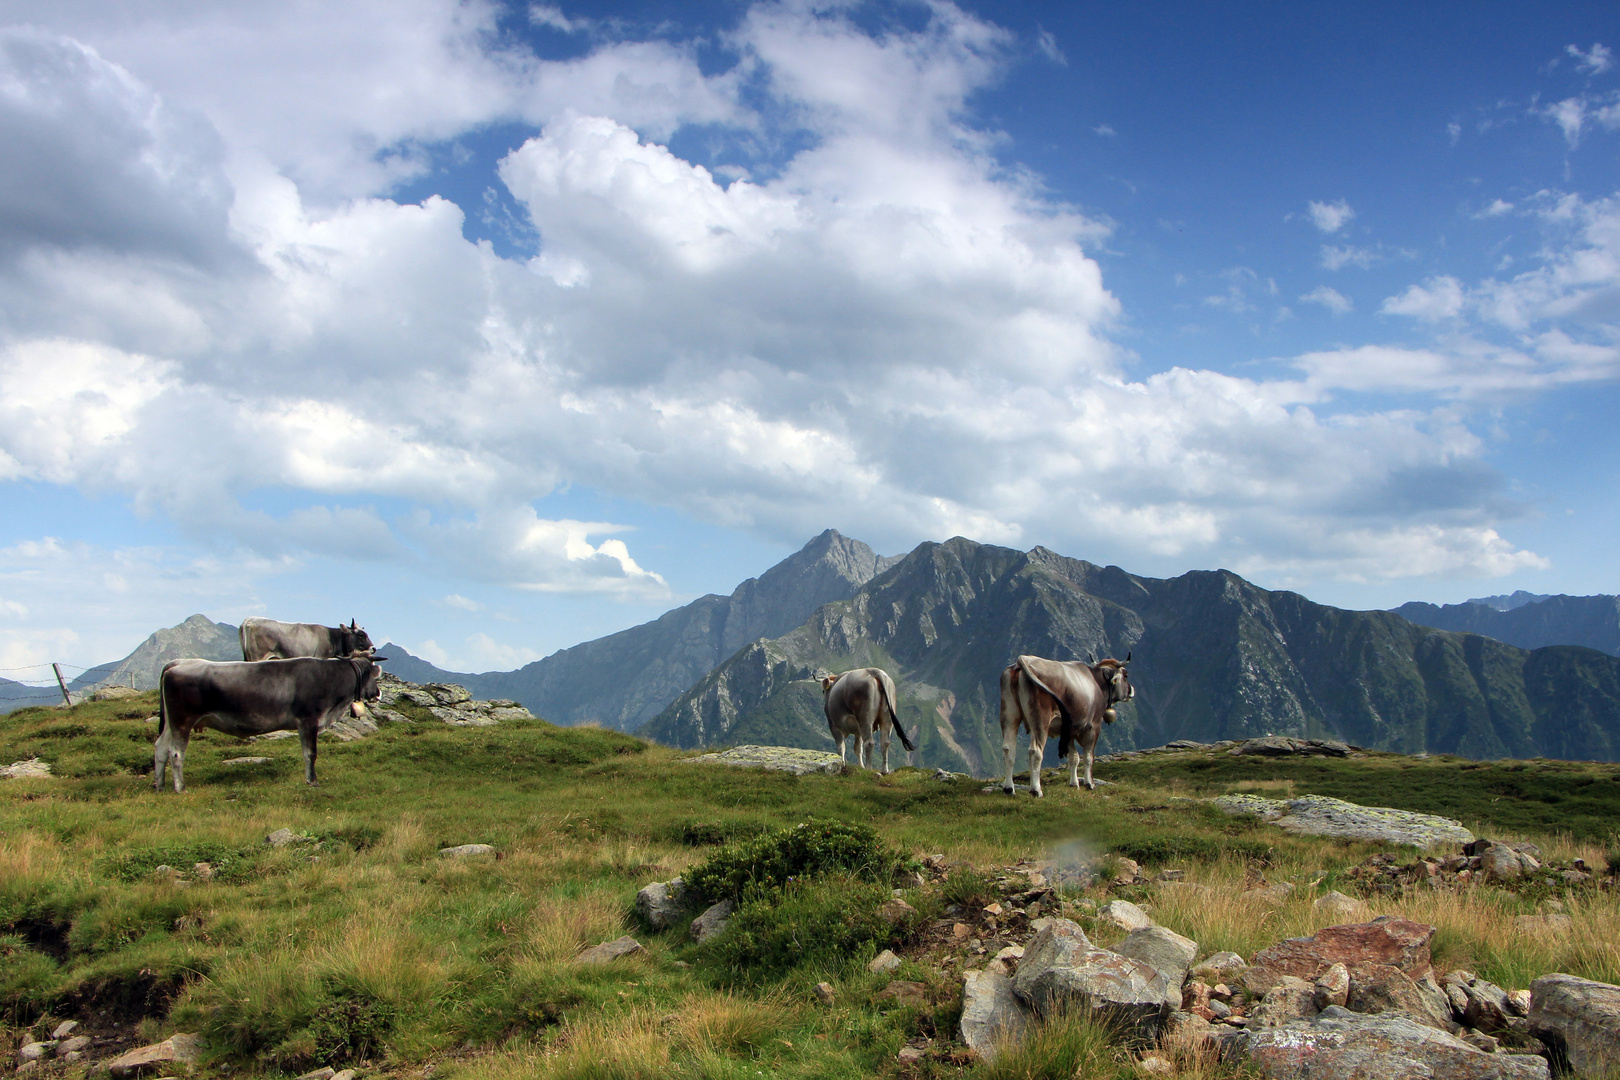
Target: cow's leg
(177, 758)
(1037, 753)
(1074, 766)
(307, 736)
(883, 743)
(160, 758)
(1091, 785)
(1009, 747)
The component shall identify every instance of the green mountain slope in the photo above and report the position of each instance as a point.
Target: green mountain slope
(1215, 657)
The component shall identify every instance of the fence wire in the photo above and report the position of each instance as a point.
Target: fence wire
(47, 685)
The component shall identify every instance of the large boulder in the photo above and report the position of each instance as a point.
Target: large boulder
(1399, 943)
(1340, 1045)
(1061, 967)
(1578, 1019)
(992, 1014)
(1162, 949)
(1125, 915)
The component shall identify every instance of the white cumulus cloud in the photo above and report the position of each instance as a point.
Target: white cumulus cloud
(1330, 217)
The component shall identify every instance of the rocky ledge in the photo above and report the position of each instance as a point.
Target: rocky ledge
(775, 758)
(1318, 815)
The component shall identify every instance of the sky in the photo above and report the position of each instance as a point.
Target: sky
(499, 326)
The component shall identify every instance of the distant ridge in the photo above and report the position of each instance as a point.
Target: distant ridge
(1530, 623)
(625, 679)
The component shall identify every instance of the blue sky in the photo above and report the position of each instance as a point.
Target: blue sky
(502, 327)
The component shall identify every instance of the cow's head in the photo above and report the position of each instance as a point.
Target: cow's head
(370, 685)
(827, 684)
(1113, 674)
(355, 639)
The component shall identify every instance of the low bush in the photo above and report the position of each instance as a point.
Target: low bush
(1157, 850)
(821, 927)
(768, 863)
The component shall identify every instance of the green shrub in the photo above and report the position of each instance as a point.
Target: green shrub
(710, 833)
(820, 926)
(769, 863)
(968, 887)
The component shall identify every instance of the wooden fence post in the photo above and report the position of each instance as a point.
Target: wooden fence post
(66, 699)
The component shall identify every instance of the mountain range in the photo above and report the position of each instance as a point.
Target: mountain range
(1530, 623)
(1215, 657)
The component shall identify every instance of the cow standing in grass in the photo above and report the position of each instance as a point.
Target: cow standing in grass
(858, 703)
(267, 639)
(1077, 697)
(306, 695)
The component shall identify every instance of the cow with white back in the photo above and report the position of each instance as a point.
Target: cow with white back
(1076, 697)
(304, 694)
(858, 703)
(267, 639)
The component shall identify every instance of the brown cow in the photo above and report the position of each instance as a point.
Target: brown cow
(1037, 694)
(857, 703)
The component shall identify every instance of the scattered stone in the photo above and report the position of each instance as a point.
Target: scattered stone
(1339, 907)
(1288, 1000)
(608, 951)
(1481, 1041)
(246, 761)
(884, 963)
(1579, 1019)
(1343, 1045)
(905, 993)
(113, 693)
(1061, 966)
(1125, 915)
(74, 1045)
(1332, 987)
(461, 851)
(896, 910)
(1269, 894)
(662, 904)
(64, 1029)
(320, 1074)
(712, 921)
(1399, 943)
(283, 837)
(1549, 926)
(775, 758)
(33, 768)
(1318, 815)
(914, 1050)
(345, 1074)
(1189, 889)
(1220, 967)
(824, 993)
(992, 1014)
(1126, 871)
(1485, 1006)
(1501, 864)
(34, 1051)
(1518, 1002)
(182, 1049)
(1154, 1065)
(1163, 950)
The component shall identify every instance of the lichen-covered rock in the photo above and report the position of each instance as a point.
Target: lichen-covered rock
(712, 921)
(884, 963)
(1339, 908)
(177, 1049)
(1288, 1000)
(462, 851)
(1332, 987)
(608, 951)
(1384, 988)
(1318, 815)
(662, 904)
(775, 758)
(1342, 1046)
(992, 1015)
(1125, 915)
(33, 768)
(1062, 967)
(1579, 1019)
(1400, 943)
(1220, 967)
(1164, 950)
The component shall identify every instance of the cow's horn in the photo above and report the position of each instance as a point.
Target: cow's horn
(1127, 656)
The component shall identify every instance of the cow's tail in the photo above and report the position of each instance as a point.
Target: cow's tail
(163, 701)
(894, 717)
(1066, 730)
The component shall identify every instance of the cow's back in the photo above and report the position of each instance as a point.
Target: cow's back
(267, 639)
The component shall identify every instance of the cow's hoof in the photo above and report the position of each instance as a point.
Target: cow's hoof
(1074, 783)
(1038, 794)
(1009, 790)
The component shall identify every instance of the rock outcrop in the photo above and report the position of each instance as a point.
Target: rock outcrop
(1318, 815)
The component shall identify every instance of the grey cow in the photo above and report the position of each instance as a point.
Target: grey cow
(858, 703)
(1075, 698)
(304, 694)
(267, 639)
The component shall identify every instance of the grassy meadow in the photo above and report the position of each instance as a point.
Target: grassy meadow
(361, 947)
